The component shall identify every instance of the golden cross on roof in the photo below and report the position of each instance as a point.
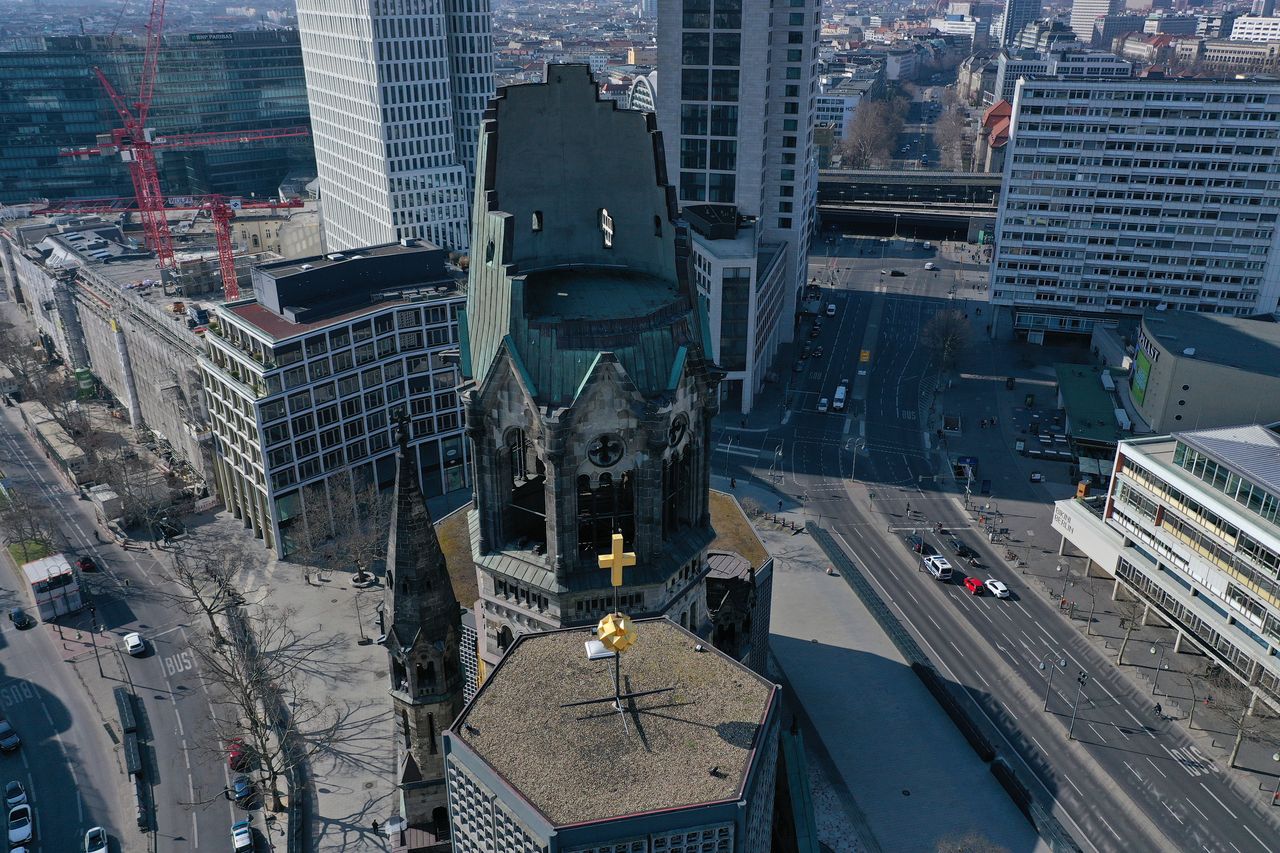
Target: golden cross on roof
(617, 560)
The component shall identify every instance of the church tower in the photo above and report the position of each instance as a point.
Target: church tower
(426, 676)
(588, 382)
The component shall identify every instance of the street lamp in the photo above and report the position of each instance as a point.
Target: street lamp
(1156, 681)
(895, 225)
(1060, 662)
(1276, 793)
(1080, 680)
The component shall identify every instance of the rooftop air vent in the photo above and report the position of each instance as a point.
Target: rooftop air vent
(336, 256)
(304, 266)
(1189, 351)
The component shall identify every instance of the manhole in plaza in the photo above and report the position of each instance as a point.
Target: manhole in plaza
(333, 601)
(382, 674)
(905, 792)
(368, 785)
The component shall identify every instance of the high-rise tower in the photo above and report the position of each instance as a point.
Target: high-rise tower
(426, 675)
(1017, 14)
(736, 106)
(396, 88)
(589, 391)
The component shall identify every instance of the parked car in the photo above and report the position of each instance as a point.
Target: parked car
(823, 404)
(973, 585)
(1037, 477)
(95, 840)
(242, 788)
(896, 272)
(239, 758)
(241, 836)
(21, 824)
(997, 588)
(831, 309)
(818, 351)
(9, 740)
(930, 266)
(86, 564)
(815, 331)
(20, 619)
(14, 794)
(798, 367)
(134, 644)
(806, 350)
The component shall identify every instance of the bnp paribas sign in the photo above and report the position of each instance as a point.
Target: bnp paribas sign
(211, 36)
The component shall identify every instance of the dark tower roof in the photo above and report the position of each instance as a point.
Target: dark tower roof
(423, 604)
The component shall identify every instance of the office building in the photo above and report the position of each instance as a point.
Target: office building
(207, 82)
(839, 100)
(1188, 370)
(1191, 528)
(1129, 195)
(737, 113)
(1044, 35)
(1085, 12)
(1089, 64)
(1111, 27)
(1230, 56)
(396, 88)
(644, 92)
(1217, 25)
(525, 758)
(1017, 14)
(1255, 28)
(303, 382)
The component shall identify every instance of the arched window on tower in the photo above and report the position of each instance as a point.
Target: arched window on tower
(528, 516)
(677, 492)
(606, 509)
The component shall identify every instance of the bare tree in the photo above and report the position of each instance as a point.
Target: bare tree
(947, 334)
(258, 686)
(868, 138)
(949, 135)
(347, 528)
(28, 523)
(1246, 716)
(1130, 610)
(204, 586)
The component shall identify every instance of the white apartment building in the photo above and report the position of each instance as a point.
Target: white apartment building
(1255, 28)
(1085, 12)
(396, 89)
(1068, 62)
(837, 104)
(1137, 194)
(736, 108)
(303, 382)
(1191, 527)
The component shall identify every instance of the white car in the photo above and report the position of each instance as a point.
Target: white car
(931, 266)
(14, 794)
(831, 309)
(20, 824)
(824, 404)
(95, 840)
(996, 588)
(134, 644)
(241, 836)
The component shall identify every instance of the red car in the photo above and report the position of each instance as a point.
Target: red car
(86, 564)
(238, 755)
(973, 585)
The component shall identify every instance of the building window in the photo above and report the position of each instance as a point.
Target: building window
(724, 85)
(693, 119)
(693, 84)
(728, 47)
(693, 186)
(696, 48)
(721, 188)
(693, 154)
(724, 121)
(606, 228)
(696, 14)
(728, 15)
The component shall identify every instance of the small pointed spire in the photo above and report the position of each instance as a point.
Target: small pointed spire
(423, 602)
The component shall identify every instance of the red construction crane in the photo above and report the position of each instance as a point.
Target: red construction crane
(220, 209)
(136, 143)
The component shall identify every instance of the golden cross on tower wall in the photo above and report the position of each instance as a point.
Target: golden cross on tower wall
(617, 560)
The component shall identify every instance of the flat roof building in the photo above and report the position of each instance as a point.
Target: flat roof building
(1191, 528)
(1191, 370)
(530, 768)
(303, 381)
(1130, 195)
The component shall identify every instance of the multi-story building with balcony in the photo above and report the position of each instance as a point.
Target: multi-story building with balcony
(303, 382)
(1127, 195)
(1191, 527)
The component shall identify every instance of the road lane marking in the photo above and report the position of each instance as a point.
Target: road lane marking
(1255, 838)
(1100, 737)
(979, 674)
(1157, 767)
(934, 621)
(1221, 803)
(1197, 808)
(1134, 772)
(957, 648)
(1072, 784)
(1172, 812)
(1008, 710)
(1121, 731)
(1109, 829)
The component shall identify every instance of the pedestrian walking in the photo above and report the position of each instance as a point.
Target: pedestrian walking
(733, 482)
(1159, 710)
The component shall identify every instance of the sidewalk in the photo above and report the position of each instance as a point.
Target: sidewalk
(899, 768)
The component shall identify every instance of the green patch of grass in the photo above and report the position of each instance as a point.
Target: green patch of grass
(734, 532)
(455, 541)
(26, 551)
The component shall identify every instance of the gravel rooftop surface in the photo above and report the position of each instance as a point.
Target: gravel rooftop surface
(581, 764)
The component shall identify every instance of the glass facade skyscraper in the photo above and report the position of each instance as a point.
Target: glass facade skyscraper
(50, 99)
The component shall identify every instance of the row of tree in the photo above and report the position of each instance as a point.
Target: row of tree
(873, 131)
